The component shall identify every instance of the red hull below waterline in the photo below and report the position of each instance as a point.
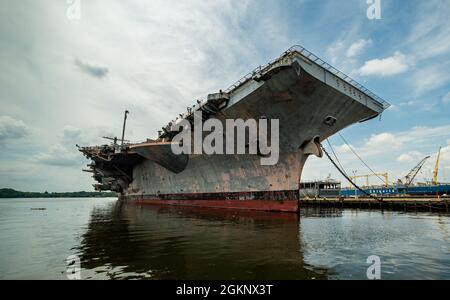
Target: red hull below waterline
(261, 205)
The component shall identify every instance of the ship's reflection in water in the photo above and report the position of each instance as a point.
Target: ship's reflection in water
(132, 241)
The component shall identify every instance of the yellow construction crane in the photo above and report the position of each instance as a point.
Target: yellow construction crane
(436, 168)
(385, 175)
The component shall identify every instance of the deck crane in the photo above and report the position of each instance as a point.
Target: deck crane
(436, 168)
(413, 173)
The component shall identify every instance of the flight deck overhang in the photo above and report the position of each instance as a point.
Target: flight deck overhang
(301, 59)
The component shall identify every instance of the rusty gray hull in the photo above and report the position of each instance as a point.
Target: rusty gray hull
(219, 174)
(310, 99)
(304, 105)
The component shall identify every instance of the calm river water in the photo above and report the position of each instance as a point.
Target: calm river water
(115, 241)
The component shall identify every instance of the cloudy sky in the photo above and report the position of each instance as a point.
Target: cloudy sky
(65, 81)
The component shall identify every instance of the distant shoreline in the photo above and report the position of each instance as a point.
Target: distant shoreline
(11, 193)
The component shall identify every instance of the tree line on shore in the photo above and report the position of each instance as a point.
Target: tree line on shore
(11, 193)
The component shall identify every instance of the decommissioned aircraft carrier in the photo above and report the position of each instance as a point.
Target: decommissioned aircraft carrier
(312, 101)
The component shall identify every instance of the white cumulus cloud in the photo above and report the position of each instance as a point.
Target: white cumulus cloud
(393, 65)
(411, 156)
(64, 154)
(11, 128)
(405, 158)
(384, 139)
(358, 47)
(334, 51)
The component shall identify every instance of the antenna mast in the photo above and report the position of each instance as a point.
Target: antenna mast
(124, 125)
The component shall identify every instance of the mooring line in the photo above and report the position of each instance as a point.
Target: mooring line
(347, 177)
(335, 156)
(359, 157)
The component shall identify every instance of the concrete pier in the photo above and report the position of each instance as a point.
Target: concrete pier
(436, 204)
